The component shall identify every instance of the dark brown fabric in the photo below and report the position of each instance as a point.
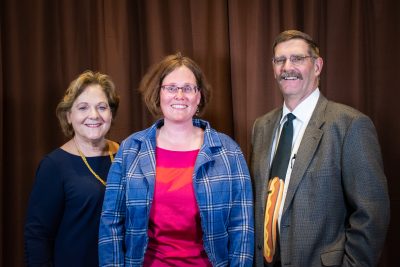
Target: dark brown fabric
(46, 43)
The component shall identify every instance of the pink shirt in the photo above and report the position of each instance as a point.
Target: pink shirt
(175, 235)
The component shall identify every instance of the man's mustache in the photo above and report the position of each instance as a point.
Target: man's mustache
(287, 74)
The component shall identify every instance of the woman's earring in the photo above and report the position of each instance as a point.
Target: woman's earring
(197, 111)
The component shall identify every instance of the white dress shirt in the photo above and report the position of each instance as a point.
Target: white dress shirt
(303, 114)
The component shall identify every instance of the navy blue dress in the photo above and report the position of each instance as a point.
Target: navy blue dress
(64, 209)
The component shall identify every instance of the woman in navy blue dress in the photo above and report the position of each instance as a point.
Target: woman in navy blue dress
(63, 214)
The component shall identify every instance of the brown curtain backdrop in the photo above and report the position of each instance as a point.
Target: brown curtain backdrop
(46, 43)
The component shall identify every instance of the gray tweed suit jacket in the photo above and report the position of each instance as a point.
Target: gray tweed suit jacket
(336, 211)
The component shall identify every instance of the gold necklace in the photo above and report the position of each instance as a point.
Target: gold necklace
(88, 166)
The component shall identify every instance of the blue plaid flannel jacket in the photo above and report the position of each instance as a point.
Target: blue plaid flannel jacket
(223, 191)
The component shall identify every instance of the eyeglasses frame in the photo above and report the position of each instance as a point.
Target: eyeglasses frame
(195, 89)
(291, 59)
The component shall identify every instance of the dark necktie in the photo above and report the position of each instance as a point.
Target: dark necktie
(282, 156)
(275, 188)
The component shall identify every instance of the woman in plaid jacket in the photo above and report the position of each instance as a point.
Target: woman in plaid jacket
(179, 192)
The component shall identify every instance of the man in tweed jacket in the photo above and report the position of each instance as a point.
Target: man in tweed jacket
(336, 205)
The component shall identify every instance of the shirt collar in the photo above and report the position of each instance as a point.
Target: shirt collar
(305, 109)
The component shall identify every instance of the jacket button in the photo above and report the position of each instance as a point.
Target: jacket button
(259, 246)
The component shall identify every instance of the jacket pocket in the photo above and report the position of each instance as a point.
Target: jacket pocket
(332, 258)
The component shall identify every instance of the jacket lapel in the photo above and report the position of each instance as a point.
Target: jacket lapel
(147, 162)
(147, 156)
(206, 155)
(308, 146)
(267, 133)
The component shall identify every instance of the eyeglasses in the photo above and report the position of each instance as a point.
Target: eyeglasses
(187, 89)
(296, 60)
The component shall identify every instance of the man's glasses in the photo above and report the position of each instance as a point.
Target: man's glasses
(187, 89)
(296, 60)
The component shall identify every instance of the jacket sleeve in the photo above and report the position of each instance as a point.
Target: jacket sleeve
(366, 191)
(241, 220)
(112, 220)
(45, 209)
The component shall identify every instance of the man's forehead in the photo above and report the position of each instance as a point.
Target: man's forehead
(294, 46)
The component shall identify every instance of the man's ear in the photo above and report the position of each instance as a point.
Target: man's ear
(318, 64)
